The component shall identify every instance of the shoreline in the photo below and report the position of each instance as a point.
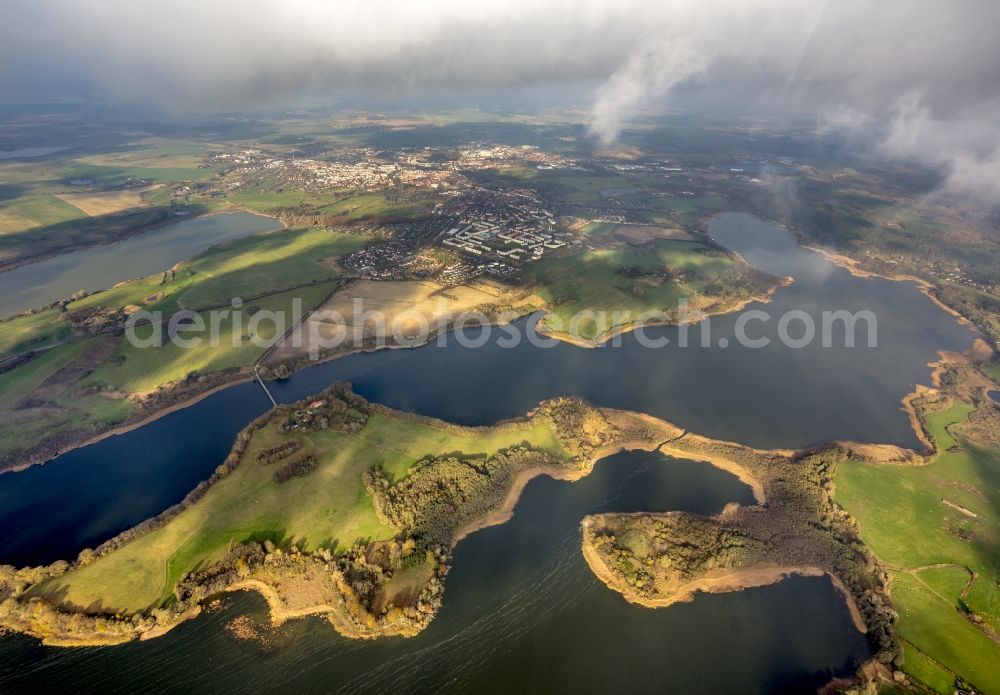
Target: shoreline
(612, 333)
(728, 465)
(432, 336)
(647, 433)
(840, 260)
(138, 232)
(31, 260)
(926, 287)
(729, 581)
(521, 480)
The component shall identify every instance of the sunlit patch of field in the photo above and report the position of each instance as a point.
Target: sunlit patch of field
(40, 211)
(639, 235)
(153, 153)
(330, 507)
(135, 368)
(107, 202)
(936, 526)
(595, 281)
(411, 307)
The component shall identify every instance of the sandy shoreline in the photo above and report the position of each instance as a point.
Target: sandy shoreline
(840, 260)
(609, 335)
(718, 582)
(521, 480)
(926, 288)
(727, 465)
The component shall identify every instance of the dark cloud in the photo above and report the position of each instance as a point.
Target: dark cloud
(926, 72)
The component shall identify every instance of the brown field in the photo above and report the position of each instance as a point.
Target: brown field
(108, 202)
(11, 222)
(639, 235)
(407, 305)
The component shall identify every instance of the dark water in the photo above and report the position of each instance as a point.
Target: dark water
(776, 396)
(995, 395)
(522, 613)
(99, 267)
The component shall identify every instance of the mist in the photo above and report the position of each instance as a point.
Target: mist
(924, 75)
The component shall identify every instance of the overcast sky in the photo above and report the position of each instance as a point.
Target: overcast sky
(927, 72)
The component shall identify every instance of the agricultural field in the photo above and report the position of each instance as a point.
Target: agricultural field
(24, 214)
(107, 202)
(376, 205)
(90, 390)
(992, 370)
(132, 369)
(408, 307)
(33, 332)
(245, 268)
(631, 279)
(331, 507)
(937, 527)
(44, 213)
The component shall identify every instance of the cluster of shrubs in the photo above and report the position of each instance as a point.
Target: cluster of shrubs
(741, 281)
(277, 452)
(303, 464)
(444, 493)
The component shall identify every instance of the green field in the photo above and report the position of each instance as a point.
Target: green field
(243, 268)
(139, 369)
(375, 204)
(594, 280)
(265, 200)
(19, 383)
(268, 271)
(992, 370)
(113, 175)
(329, 507)
(933, 548)
(33, 331)
(40, 211)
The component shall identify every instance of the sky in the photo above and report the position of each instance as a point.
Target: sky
(923, 74)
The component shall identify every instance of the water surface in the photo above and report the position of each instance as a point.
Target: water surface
(99, 267)
(774, 397)
(522, 613)
(28, 152)
(521, 610)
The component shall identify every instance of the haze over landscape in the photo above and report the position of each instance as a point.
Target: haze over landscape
(500, 346)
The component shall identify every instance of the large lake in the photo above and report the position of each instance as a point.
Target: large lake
(522, 613)
(99, 267)
(776, 396)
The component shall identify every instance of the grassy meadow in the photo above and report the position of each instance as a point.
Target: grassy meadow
(329, 507)
(937, 527)
(594, 280)
(88, 390)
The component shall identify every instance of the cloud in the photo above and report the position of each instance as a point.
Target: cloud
(925, 72)
(964, 146)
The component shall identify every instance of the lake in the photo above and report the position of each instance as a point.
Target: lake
(99, 267)
(522, 612)
(776, 396)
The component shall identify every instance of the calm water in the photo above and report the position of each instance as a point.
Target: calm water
(28, 152)
(522, 613)
(575, 634)
(771, 397)
(99, 267)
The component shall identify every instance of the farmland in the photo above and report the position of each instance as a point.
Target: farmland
(634, 280)
(935, 526)
(87, 391)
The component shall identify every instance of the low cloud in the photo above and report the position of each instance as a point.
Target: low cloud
(925, 72)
